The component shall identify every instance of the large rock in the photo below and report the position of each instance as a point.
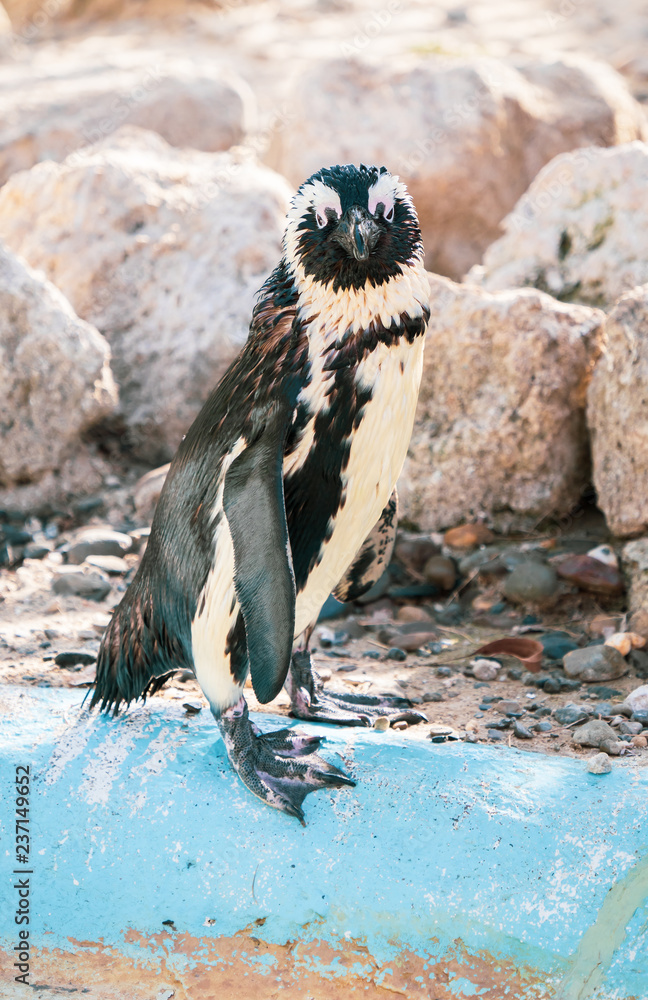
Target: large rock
(501, 417)
(163, 250)
(37, 18)
(467, 136)
(54, 373)
(634, 560)
(581, 230)
(51, 106)
(617, 412)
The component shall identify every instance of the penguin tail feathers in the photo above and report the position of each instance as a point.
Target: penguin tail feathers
(138, 654)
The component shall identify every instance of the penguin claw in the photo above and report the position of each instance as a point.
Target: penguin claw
(310, 700)
(281, 767)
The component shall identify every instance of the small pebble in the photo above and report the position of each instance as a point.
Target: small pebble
(412, 613)
(531, 583)
(639, 741)
(495, 734)
(641, 716)
(515, 674)
(599, 764)
(591, 574)
(555, 645)
(508, 707)
(485, 670)
(595, 663)
(444, 672)
(346, 668)
(395, 653)
(521, 731)
(541, 712)
(436, 647)
(371, 654)
(72, 658)
(97, 542)
(467, 536)
(433, 696)
(441, 571)
(543, 727)
(71, 580)
(637, 700)
(114, 565)
(613, 747)
(399, 726)
(569, 714)
(192, 707)
(604, 554)
(630, 728)
(381, 723)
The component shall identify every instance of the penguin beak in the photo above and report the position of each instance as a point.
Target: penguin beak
(357, 232)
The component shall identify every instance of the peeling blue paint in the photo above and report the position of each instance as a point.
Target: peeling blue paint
(141, 820)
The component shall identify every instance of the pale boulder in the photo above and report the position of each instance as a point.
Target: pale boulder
(50, 107)
(500, 424)
(54, 372)
(617, 413)
(467, 136)
(581, 230)
(163, 250)
(634, 560)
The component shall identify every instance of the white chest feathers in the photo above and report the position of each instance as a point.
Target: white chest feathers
(378, 449)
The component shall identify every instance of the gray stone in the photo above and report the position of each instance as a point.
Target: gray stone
(532, 583)
(97, 542)
(613, 747)
(570, 713)
(113, 565)
(72, 658)
(599, 764)
(543, 727)
(637, 700)
(72, 580)
(630, 728)
(595, 663)
(521, 731)
(593, 733)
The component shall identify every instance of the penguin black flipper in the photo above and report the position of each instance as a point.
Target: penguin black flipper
(372, 558)
(264, 581)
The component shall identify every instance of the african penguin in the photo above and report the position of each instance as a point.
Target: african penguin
(283, 489)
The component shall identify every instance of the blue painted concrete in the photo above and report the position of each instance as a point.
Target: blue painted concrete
(140, 820)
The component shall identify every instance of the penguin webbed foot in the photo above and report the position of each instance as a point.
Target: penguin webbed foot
(280, 767)
(310, 700)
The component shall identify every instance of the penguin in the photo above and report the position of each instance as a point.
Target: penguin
(283, 490)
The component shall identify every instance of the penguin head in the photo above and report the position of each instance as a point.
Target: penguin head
(351, 226)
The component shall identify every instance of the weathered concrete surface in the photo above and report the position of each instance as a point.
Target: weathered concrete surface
(450, 871)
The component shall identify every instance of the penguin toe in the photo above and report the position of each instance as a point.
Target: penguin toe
(310, 700)
(281, 767)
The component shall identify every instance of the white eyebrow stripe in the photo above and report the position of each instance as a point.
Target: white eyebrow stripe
(384, 190)
(324, 197)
